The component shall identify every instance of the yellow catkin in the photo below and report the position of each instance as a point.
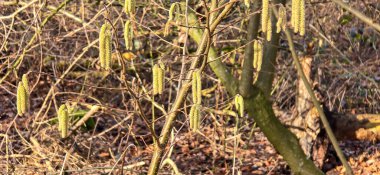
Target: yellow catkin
(284, 19)
(161, 80)
(191, 117)
(108, 52)
(102, 45)
(155, 79)
(264, 15)
(197, 87)
(259, 56)
(133, 6)
(172, 11)
(292, 13)
(19, 111)
(126, 6)
(194, 87)
(63, 120)
(279, 24)
(269, 27)
(239, 104)
(167, 29)
(59, 116)
(255, 53)
(195, 117)
(128, 35)
(281, 21)
(25, 82)
(247, 3)
(302, 18)
(129, 6)
(21, 99)
(296, 13)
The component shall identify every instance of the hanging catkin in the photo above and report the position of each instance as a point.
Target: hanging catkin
(25, 82)
(269, 27)
(155, 79)
(129, 6)
(195, 117)
(296, 15)
(302, 18)
(264, 15)
(102, 45)
(21, 99)
(247, 3)
(128, 35)
(239, 104)
(63, 120)
(281, 21)
(255, 52)
(257, 55)
(161, 79)
(197, 87)
(108, 51)
(172, 11)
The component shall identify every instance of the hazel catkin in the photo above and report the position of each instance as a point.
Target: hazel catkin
(128, 35)
(63, 120)
(264, 15)
(21, 99)
(239, 104)
(197, 87)
(102, 44)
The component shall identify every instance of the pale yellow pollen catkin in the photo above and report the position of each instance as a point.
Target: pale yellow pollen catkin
(155, 79)
(292, 13)
(197, 120)
(302, 18)
(172, 11)
(281, 21)
(102, 45)
(161, 80)
(255, 53)
(296, 13)
(60, 112)
(194, 87)
(269, 27)
(126, 6)
(284, 17)
(128, 35)
(63, 120)
(239, 104)
(25, 82)
(195, 117)
(108, 52)
(247, 3)
(191, 117)
(259, 56)
(264, 15)
(21, 99)
(197, 87)
(129, 6)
